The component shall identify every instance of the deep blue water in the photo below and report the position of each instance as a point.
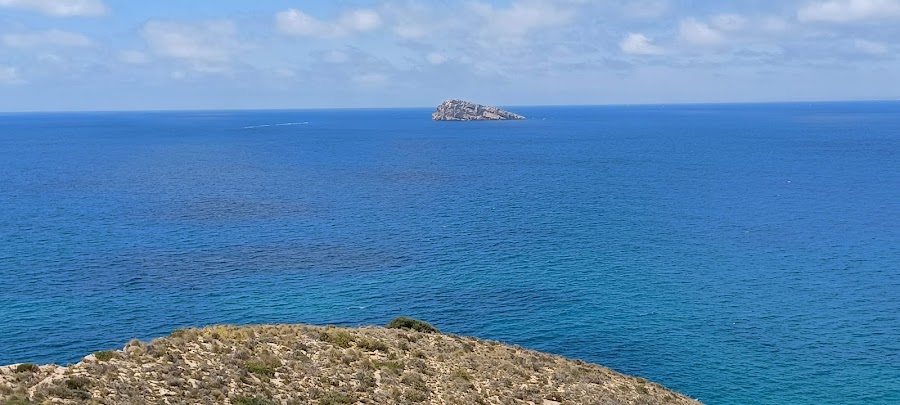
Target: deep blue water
(741, 254)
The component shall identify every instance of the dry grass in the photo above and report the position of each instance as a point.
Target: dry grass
(297, 364)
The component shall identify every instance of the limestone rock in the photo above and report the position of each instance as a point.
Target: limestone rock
(459, 110)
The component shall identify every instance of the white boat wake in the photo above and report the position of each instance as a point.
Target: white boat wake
(284, 124)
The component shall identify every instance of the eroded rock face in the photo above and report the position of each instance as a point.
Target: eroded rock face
(458, 110)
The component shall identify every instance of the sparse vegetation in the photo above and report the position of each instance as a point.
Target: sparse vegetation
(252, 401)
(297, 364)
(27, 368)
(17, 401)
(260, 368)
(403, 322)
(461, 374)
(336, 398)
(77, 383)
(75, 388)
(338, 337)
(106, 355)
(372, 345)
(389, 365)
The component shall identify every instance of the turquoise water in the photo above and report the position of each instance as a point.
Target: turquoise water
(741, 254)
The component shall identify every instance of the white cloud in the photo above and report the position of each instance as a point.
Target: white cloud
(871, 48)
(410, 31)
(694, 32)
(773, 25)
(728, 22)
(436, 58)
(60, 8)
(522, 17)
(10, 75)
(208, 47)
(134, 57)
(414, 20)
(46, 38)
(639, 44)
(370, 79)
(844, 11)
(298, 23)
(646, 8)
(284, 73)
(50, 58)
(479, 26)
(335, 56)
(360, 20)
(734, 30)
(764, 49)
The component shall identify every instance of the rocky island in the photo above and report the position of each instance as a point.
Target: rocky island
(459, 110)
(409, 362)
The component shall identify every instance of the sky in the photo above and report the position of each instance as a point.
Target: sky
(73, 55)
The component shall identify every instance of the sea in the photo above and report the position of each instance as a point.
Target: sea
(737, 253)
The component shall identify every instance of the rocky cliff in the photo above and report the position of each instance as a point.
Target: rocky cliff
(458, 110)
(297, 364)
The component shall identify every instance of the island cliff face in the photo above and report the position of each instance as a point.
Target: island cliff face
(297, 364)
(459, 110)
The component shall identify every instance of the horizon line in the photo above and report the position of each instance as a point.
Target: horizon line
(639, 104)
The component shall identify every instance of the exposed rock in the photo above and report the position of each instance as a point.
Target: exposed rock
(458, 110)
(297, 364)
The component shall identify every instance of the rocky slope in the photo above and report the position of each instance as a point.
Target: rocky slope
(297, 364)
(458, 110)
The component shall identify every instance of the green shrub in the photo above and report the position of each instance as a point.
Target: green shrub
(17, 401)
(390, 365)
(252, 401)
(260, 368)
(336, 398)
(461, 374)
(415, 380)
(77, 383)
(404, 322)
(72, 388)
(372, 345)
(338, 337)
(415, 396)
(27, 368)
(106, 355)
(366, 379)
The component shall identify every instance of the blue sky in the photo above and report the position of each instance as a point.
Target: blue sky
(210, 54)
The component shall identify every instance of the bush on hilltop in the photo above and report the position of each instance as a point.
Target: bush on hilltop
(404, 322)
